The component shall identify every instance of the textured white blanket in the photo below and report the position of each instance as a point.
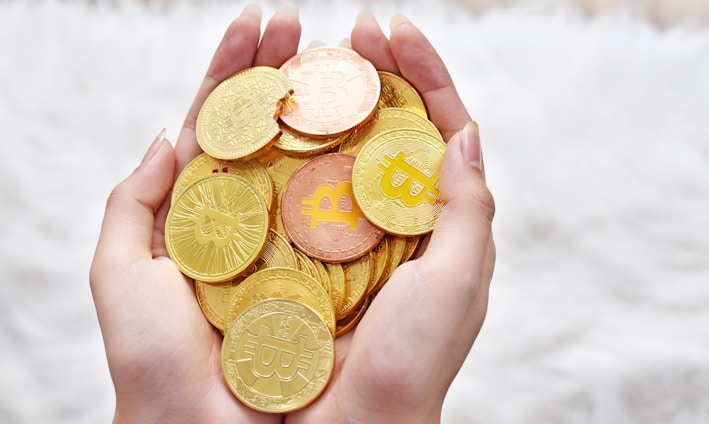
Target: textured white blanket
(596, 141)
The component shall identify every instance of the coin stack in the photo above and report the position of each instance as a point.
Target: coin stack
(318, 179)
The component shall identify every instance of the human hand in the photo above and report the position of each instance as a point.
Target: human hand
(399, 362)
(163, 355)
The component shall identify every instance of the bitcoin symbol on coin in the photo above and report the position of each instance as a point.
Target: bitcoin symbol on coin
(333, 205)
(273, 355)
(219, 226)
(406, 183)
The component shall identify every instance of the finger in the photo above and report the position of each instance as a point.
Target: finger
(346, 43)
(235, 52)
(369, 40)
(466, 219)
(280, 38)
(128, 227)
(421, 65)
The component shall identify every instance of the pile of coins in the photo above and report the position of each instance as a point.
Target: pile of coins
(317, 181)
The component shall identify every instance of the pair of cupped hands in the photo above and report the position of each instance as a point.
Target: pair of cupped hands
(398, 363)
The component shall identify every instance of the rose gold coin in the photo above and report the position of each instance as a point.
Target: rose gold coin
(320, 214)
(335, 90)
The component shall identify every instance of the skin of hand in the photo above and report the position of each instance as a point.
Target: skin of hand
(397, 365)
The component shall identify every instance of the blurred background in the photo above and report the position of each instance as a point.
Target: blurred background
(593, 117)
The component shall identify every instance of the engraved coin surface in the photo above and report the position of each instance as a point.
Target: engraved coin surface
(320, 215)
(398, 92)
(387, 120)
(216, 228)
(357, 276)
(284, 283)
(395, 181)
(240, 115)
(278, 356)
(301, 144)
(335, 90)
(205, 165)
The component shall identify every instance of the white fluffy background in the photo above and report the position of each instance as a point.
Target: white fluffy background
(596, 142)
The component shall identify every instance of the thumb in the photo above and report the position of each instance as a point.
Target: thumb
(129, 224)
(460, 241)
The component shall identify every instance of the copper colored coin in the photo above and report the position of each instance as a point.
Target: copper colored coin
(335, 90)
(320, 214)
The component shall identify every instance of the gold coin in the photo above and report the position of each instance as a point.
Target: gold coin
(357, 276)
(350, 321)
(280, 168)
(305, 264)
(398, 92)
(214, 298)
(323, 275)
(387, 120)
(395, 181)
(412, 243)
(337, 284)
(217, 228)
(205, 165)
(282, 283)
(278, 356)
(380, 255)
(396, 245)
(334, 91)
(303, 145)
(240, 115)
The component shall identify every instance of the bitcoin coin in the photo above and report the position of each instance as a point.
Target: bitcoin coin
(395, 181)
(357, 276)
(337, 284)
(216, 228)
(398, 92)
(205, 165)
(280, 168)
(334, 91)
(282, 283)
(278, 356)
(350, 321)
(396, 247)
(240, 115)
(387, 120)
(380, 256)
(319, 213)
(303, 145)
(412, 243)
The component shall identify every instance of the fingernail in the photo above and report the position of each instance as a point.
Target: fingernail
(289, 9)
(252, 10)
(470, 145)
(154, 147)
(398, 19)
(365, 16)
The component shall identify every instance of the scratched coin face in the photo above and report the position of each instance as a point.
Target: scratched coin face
(278, 356)
(320, 215)
(335, 90)
(216, 228)
(395, 181)
(239, 116)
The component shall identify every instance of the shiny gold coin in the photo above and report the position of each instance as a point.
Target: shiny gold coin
(239, 115)
(398, 92)
(278, 356)
(216, 228)
(395, 181)
(357, 276)
(280, 168)
(397, 246)
(214, 298)
(305, 264)
(303, 145)
(335, 90)
(380, 255)
(337, 284)
(411, 244)
(350, 321)
(323, 276)
(205, 165)
(282, 283)
(387, 120)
